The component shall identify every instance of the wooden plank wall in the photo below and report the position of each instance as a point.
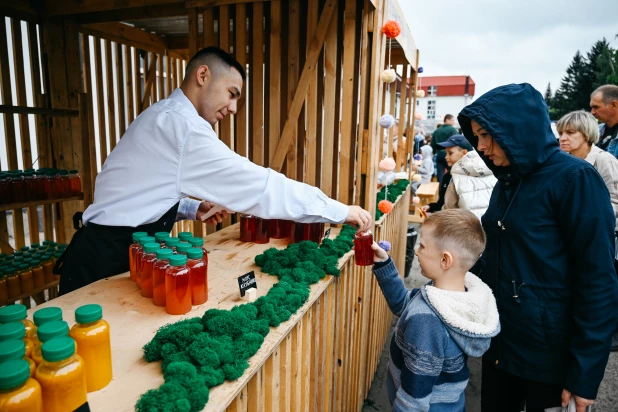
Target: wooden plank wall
(314, 369)
(26, 139)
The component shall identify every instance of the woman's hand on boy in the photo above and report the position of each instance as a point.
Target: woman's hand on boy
(379, 255)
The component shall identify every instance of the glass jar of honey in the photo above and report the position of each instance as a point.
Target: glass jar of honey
(171, 243)
(158, 276)
(138, 259)
(160, 237)
(199, 276)
(278, 228)
(198, 242)
(133, 248)
(177, 286)
(185, 236)
(148, 260)
(26, 282)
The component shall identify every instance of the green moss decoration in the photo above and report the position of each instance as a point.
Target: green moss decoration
(201, 353)
(394, 191)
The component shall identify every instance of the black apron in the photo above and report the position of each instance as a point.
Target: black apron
(97, 252)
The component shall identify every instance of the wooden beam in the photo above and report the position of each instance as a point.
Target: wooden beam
(274, 81)
(240, 52)
(128, 35)
(64, 7)
(215, 3)
(18, 10)
(42, 111)
(330, 103)
(312, 102)
(134, 13)
(150, 79)
(111, 111)
(193, 31)
(293, 69)
(285, 144)
(210, 38)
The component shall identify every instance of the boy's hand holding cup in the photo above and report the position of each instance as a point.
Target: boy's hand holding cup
(379, 254)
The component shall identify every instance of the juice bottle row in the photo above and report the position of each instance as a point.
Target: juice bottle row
(43, 184)
(28, 269)
(172, 271)
(45, 366)
(258, 230)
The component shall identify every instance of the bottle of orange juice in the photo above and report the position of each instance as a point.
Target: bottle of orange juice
(17, 313)
(15, 349)
(16, 330)
(48, 331)
(18, 391)
(92, 335)
(62, 376)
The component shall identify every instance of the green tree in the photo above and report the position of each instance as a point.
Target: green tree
(607, 63)
(592, 80)
(575, 88)
(549, 100)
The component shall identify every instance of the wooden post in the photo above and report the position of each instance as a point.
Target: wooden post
(274, 81)
(193, 31)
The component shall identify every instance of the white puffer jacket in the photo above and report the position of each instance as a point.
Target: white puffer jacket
(471, 185)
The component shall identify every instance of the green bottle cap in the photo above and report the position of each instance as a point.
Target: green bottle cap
(45, 315)
(47, 256)
(73, 171)
(151, 247)
(46, 242)
(14, 373)
(53, 329)
(35, 245)
(24, 266)
(146, 239)
(164, 254)
(178, 260)
(53, 244)
(183, 247)
(138, 235)
(161, 236)
(196, 241)
(88, 313)
(63, 172)
(172, 242)
(12, 349)
(185, 236)
(12, 330)
(18, 253)
(58, 349)
(12, 313)
(62, 246)
(36, 262)
(195, 253)
(24, 248)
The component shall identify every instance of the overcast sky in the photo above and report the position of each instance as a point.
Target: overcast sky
(498, 42)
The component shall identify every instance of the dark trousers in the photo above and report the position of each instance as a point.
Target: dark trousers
(441, 167)
(503, 392)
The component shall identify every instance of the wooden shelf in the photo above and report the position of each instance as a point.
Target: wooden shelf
(35, 291)
(23, 205)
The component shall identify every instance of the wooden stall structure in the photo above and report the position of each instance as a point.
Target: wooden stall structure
(310, 110)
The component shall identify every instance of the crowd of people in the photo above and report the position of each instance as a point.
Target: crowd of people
(524, 231)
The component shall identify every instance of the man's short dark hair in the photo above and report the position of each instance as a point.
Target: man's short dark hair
(448, 117)
(213, 56)
(609, 93)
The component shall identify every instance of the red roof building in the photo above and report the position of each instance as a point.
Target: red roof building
(447, 85)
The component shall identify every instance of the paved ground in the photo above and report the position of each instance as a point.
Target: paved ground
(377, 399)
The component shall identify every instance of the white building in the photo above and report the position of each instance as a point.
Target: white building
(443, 95)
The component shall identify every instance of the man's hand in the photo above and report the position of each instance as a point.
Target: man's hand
(581, 403)
(360, 217)
(425, 208)
(216, 218)
(379, 254)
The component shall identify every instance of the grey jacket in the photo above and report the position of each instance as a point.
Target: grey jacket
(607, 166)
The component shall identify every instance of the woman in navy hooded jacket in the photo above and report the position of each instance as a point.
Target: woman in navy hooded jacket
(549, 258)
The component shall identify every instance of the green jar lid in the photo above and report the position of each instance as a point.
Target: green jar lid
(9, 257)
(151, 247)
(58, 254)
(47, 256)
(138, 235)
(185, 236)
(178, 260)
(146, 239)
(14, 373)
(164, 254)
(12, 330)
(195, 253)
(12, 349)
(196, 241)
(62, 246)
(63, 172)
(73, 171)
(53, 329)
(53, 244)
(24, 266)
(88, 313)
(24, 248)
(183, 247)
(13, 313)
(161, 236)
(45, 315)
(46, 242)
(35, 245)
(172, 242)
(18, 253)
(58, 349)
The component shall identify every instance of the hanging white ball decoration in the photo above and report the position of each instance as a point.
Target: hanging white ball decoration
(420, 94)
(388, 76)
(381, 178)
(389, 177)
(387, 121)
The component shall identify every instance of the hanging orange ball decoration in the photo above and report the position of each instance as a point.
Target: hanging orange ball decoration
(385, 206)
(391, 28)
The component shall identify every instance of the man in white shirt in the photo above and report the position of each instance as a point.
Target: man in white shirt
(171, 152)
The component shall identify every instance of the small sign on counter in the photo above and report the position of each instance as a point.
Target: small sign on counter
(246, 281)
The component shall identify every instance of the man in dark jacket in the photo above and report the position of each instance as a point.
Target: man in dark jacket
(441, 135)
(549, 258)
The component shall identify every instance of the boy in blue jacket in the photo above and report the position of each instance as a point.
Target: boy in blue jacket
(452, 317)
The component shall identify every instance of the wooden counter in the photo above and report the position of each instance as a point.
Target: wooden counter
(322, 359)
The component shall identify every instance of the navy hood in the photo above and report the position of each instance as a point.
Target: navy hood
(517, 118)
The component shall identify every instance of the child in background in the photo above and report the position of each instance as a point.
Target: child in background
(471, 180)
(426, 168)
(452, 317)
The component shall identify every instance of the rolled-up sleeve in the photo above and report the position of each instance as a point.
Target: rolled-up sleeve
(187, 209)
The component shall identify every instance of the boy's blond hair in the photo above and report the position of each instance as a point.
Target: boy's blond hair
(459, 230)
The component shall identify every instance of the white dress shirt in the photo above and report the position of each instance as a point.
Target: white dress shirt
(169, 152)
